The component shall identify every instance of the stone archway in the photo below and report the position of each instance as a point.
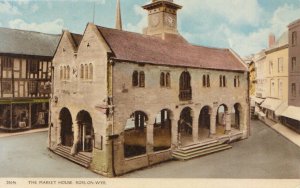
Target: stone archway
(135, 135)
(185, 126)
(204, 122)
(221, 119)
(66, 132)
(162, 130)
(85, 132)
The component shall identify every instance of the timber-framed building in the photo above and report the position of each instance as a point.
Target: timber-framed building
(25, 78)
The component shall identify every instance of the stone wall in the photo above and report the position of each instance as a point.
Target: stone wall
(78, 94)
(154, 98)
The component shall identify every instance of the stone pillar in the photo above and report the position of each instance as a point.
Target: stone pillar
(76, 138)
(228, 122)
(213, 128)
(174, 133)
(150, 132)
(58, 132)
(195, 130)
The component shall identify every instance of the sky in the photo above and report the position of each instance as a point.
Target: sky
(242, 25)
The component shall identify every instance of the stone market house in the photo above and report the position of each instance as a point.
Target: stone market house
(124, 101)
(25, 76)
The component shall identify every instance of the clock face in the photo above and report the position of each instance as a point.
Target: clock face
(154, 20)
(170, 21)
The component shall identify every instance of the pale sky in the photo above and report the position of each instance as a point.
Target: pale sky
(243, 25)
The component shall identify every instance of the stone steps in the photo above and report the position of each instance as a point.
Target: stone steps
(78, 158)
(199, 150)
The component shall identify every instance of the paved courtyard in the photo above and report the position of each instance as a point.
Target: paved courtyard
(266, 154)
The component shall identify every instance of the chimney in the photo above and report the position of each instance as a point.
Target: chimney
(272, 40)
(118, 16)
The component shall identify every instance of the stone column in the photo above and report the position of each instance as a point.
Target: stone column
(76, 138)
(58, 132)
(228, 122)
(195, 130)
(174, 133)
(150, 132)
(213, 128)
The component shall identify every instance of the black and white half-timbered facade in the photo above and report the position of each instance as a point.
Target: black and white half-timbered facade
(25, 78)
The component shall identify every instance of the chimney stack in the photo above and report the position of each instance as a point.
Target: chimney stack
(272, 40)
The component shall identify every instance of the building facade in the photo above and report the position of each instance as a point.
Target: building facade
(290, 116)
(276, 77)
(25, 78)
(124, 101)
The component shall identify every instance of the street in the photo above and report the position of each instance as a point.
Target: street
(266, 154)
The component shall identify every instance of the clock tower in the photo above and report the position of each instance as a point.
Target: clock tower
(162, 18)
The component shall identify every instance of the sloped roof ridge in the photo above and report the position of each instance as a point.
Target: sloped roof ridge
(29, 31)
(160, 39)
(141, 48)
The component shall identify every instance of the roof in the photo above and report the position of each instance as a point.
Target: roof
(76, 39)
(282, 41)
(32, 43)
(294, 23)
(139, 48)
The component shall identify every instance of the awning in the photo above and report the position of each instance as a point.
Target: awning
(258, 100)
(292, 112)
(271, 104)
(281, 108)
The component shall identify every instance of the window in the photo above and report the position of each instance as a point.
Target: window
(280, 64)
(135, 79)
(272, 88)
(86, 72)
(294, 64)
(235, 82)
(33, 87)
(165, 80)
(270, 67)
(61, 73)
(6, 87)
(168, 80)
(7, 63)
(280, 88)
(222, 81)
(138, 79)
(206, 81)
(162, 79)
(65, 72)
(294, 38)
(294, 93)
(142, 79)
(81, 71)
(68, 72)
(91, 71)
(33, 66)
(185, 89)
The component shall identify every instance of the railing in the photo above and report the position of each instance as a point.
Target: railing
(185, 95)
